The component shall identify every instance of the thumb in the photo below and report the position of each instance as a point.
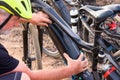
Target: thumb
(67, 57)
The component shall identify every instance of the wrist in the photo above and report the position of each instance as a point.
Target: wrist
(24, 20)
(70, 71)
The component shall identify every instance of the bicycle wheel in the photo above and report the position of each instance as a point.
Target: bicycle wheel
(32, 54)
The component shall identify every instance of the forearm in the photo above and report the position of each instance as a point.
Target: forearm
(47, 74)
(22, 20)
(54, 74)
(73, 67)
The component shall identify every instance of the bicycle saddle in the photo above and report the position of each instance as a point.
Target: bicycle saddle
(114, 7)
(100, 13)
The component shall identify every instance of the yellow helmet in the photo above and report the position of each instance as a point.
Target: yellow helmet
(21, 8)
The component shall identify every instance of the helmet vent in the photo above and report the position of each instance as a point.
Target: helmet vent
(24, 5)
(17, 10)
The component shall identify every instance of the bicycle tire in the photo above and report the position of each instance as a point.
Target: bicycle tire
(48, 46)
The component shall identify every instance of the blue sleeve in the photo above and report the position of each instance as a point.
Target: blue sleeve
(7, 62)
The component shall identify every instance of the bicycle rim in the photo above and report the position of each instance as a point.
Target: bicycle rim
(48, 46)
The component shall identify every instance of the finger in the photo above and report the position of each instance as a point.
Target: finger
(85, 62)
(81, 56)
(85, 68)
(46, 20)
(67, 57)
(43, 24)
(44, 14)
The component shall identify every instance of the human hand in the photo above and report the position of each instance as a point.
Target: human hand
(39, 18)
(76, 65)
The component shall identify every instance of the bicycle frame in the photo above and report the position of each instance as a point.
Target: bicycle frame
(70, 42)
(26, 52)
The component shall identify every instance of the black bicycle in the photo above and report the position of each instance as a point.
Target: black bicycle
(61, 34)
